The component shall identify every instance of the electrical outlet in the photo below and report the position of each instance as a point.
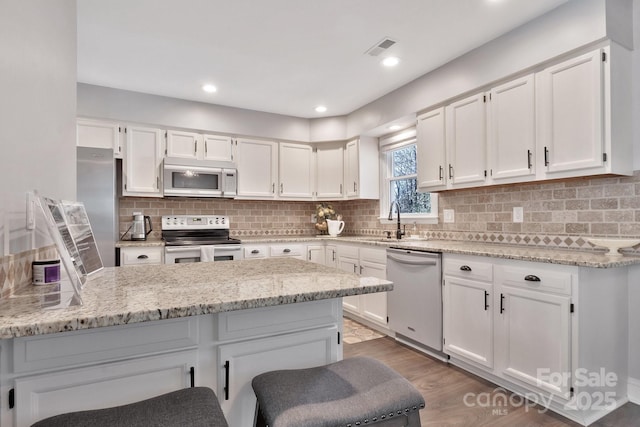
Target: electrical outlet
(449, 215)
(518, 214)
(314, 218)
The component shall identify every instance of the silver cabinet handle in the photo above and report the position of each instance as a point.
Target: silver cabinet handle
(255, 251)
(143, 257)
(195, 151)
(286, 251)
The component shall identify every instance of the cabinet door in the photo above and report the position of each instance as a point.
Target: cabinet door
(512, 130)
(331, 256)
(534, 334)
(466, 141)
(316, 253)
(296, 171)
(142, 162)
(351, 164)
(99, 134)
(571, 114)
(184, 145)
(351, 303)
(374, 306)
(240, 362)
(257, 168)
(431, 150)
(45, 395)
(217, 148)
(329, 171)
(468, 322)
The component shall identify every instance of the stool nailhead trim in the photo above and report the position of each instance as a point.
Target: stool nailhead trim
(384, 416)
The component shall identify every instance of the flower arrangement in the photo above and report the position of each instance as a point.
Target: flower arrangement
(323, 213)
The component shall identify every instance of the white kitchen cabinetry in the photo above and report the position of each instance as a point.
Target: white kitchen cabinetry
(99, 134)
(583, 115)
(432, 151)
(369, 262)
(142, 162)
(468, 309)
(257, 168)
(294, 250)
(316, 253)
(466, 142)
(534, 300)
(190, 145)
(511, 130)
(331, 256)
(141, 255)
(330, 171)
(255, 251)
(362, 166)
(296, 171)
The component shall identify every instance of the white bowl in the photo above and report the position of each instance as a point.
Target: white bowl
(614, 244)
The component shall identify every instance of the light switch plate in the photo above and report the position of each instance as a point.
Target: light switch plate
(518, 214)
(449, 215)
(314, 218)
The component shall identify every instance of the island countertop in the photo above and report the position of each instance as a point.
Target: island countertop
(123, 295)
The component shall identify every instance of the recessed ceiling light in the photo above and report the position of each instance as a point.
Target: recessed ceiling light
(394, 127)
(390, 61)
(321, 109)
(209, 88)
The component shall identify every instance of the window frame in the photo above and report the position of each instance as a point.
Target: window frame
(386, 145)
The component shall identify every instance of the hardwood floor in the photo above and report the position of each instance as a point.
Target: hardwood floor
(444, 388)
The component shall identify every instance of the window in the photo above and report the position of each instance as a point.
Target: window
(400, 181)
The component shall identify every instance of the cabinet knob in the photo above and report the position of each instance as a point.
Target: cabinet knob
(465, 268)
(531, 278)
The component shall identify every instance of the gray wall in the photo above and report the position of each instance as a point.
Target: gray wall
(37, 111)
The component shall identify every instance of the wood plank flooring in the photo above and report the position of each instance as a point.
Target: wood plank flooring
(444, 388)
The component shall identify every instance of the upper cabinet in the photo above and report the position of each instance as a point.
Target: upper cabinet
(330, 171)
(361, 163)
(99, 134)
(583, 118)
(296, 171)
(190, 145)
(142, 163)
(511, 131)
(257, 168)
(431, 150)
(466, 142)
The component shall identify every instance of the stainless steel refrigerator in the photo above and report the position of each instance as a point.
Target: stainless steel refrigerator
(96, 188)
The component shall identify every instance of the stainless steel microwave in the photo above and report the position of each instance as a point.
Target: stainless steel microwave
(197, 179)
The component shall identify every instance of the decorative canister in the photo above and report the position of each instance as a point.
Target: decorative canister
(46, 271)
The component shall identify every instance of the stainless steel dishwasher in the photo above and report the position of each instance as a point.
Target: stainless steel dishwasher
(415, 304)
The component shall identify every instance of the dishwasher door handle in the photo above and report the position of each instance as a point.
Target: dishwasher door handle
(411, 262)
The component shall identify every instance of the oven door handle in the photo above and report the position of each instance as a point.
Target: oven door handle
(226, 248)
(181, 249)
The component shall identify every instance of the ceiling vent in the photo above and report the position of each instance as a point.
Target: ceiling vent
(380, 47)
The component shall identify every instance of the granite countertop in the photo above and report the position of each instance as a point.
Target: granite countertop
(123, 295)
(139, 243)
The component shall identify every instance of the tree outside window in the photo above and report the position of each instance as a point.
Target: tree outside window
(403, 183)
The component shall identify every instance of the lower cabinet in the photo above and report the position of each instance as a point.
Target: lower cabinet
(137, 255)
(240, 362)
(370, 262)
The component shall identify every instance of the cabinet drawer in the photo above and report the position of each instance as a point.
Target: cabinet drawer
(103, 344)
(348, 251)
(287, 250)
(378, 256)
(272, 320)
(256, 252)
(142, 255)
(468, 267)
(536, 276)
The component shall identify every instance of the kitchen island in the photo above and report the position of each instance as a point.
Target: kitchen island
(144, 330)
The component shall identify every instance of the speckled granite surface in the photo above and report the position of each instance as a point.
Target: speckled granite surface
(123, 295)
(139, 243)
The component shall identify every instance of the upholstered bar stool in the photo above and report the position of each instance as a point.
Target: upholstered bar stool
(359, 391)
(189, 407)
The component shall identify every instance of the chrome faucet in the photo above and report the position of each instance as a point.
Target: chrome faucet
(399, 231)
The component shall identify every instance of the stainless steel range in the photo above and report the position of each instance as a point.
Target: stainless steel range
(197, 238)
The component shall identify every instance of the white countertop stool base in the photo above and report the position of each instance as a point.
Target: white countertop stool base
(358, 391)
(189, 407)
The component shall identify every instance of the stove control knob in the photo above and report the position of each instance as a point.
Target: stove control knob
(222, 220)
(217, 220)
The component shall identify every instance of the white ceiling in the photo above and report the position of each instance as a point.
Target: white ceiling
(282, 56)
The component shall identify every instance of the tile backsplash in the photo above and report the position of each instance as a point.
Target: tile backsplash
(556, 213)
(16, 270)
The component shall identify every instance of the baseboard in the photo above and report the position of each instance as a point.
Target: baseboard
(633, 390)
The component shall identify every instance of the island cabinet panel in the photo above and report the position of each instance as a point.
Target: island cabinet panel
(48, 394)
(241, 362)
